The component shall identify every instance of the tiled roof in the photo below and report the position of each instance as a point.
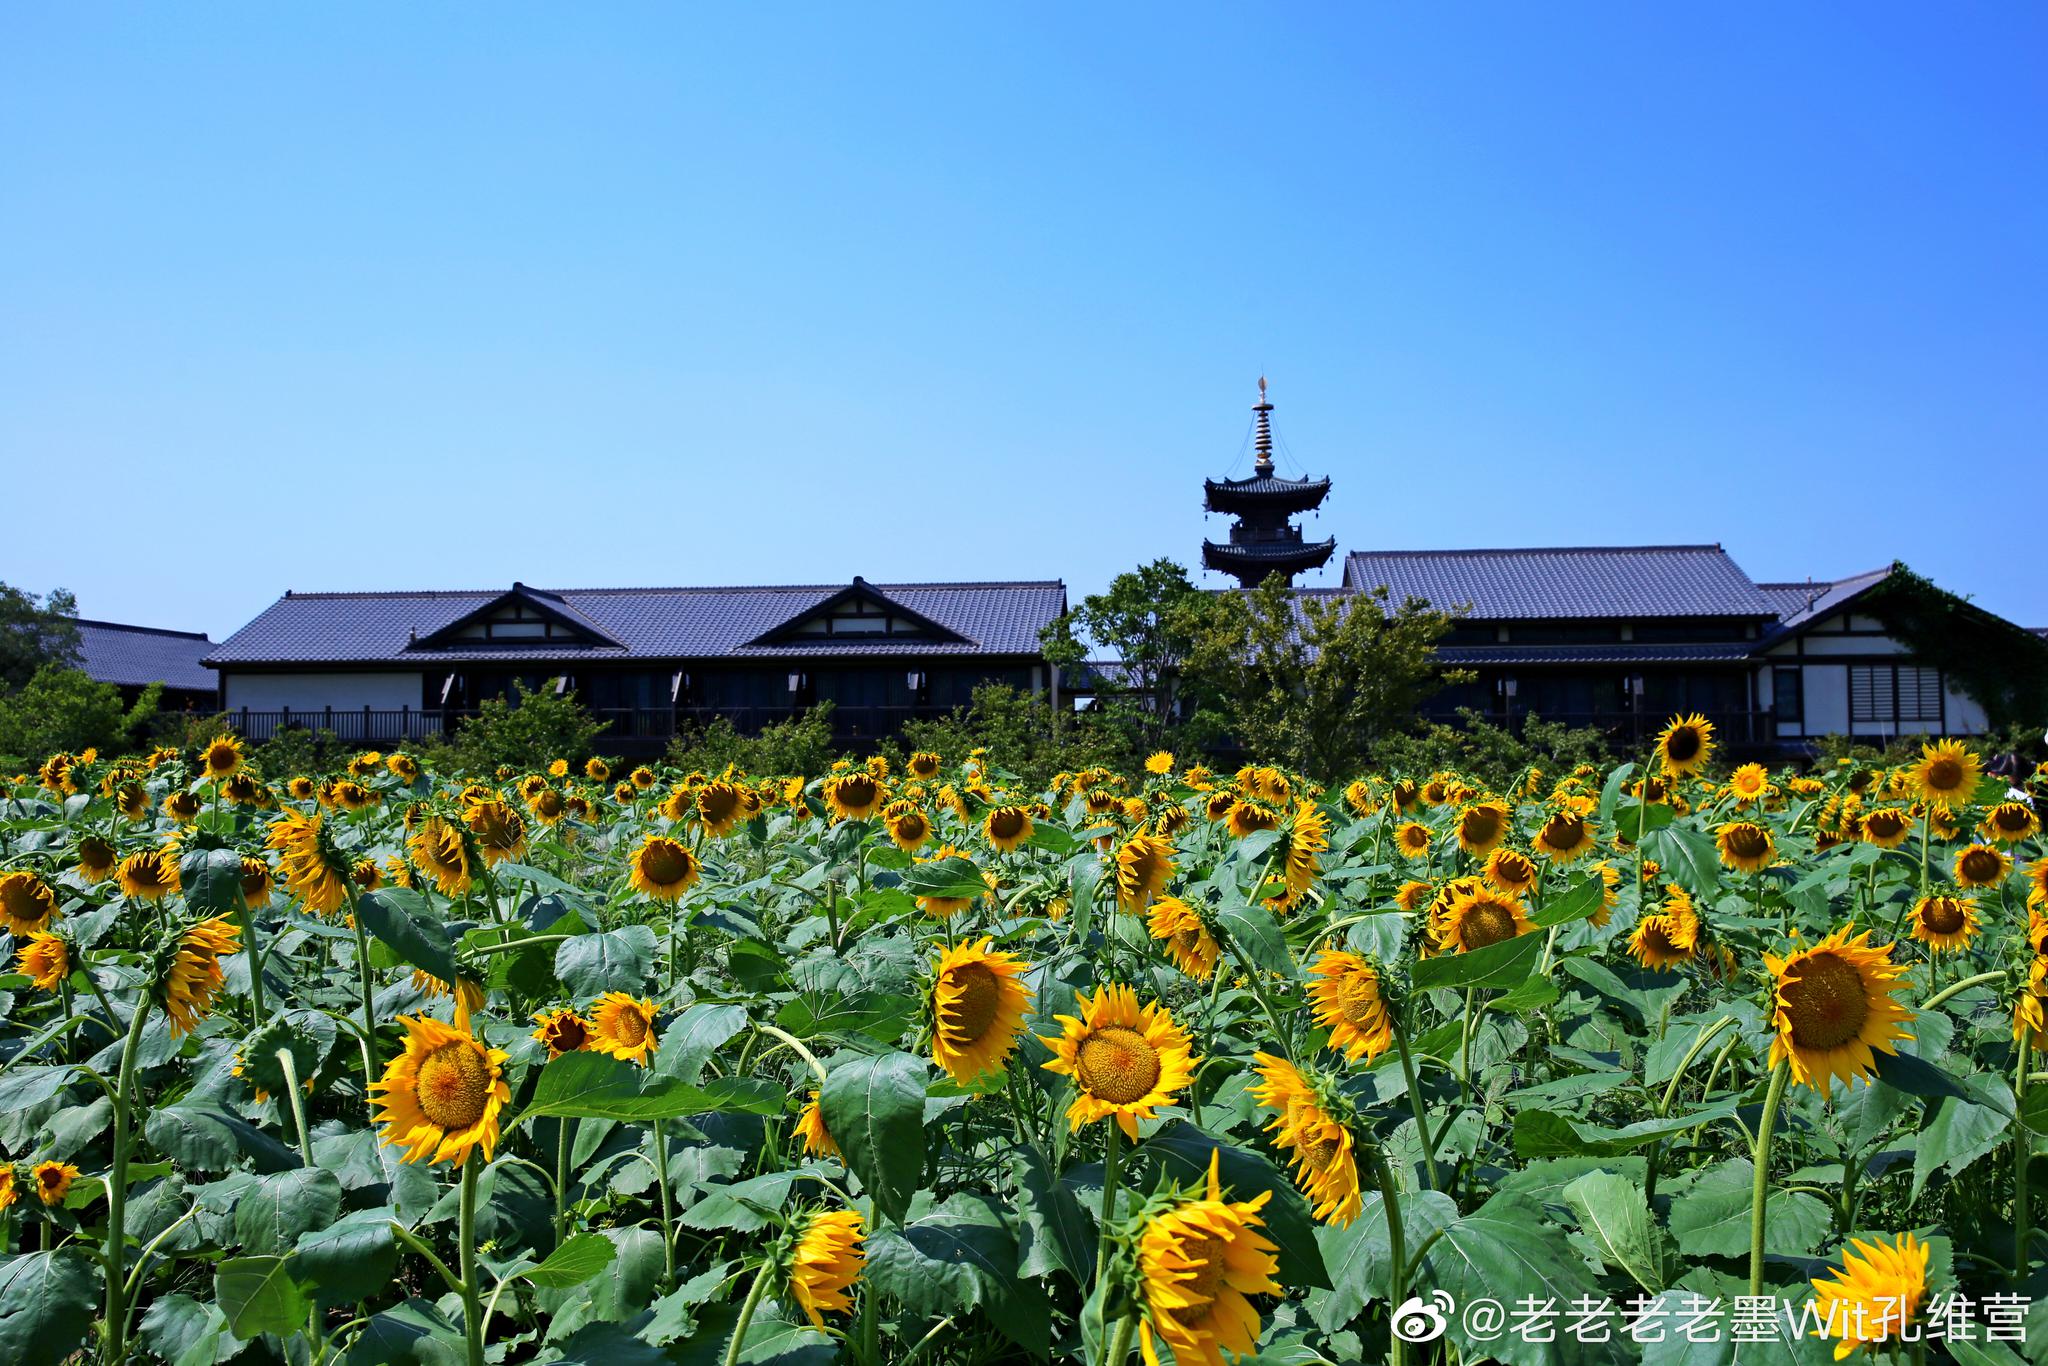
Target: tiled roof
(1459, 655)
(134, 656)
(1581, 582)
(1823, 598)
(1790, 598)
(652, 623)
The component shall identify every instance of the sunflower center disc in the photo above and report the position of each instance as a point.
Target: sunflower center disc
(1944, 775)
(1563, 832)
(716, 805)
(1944, 915)
(2009, 820)
(1478, 827)
(1188, 942)
(1825, 999)
(1320, 1154)
(1004, 825)
(1209, 1266)
(1486, 925)
(1884, 825)
(1684, 744)
(1980, 866)
(1117, 1065)
(973, 1011)
(629, 1026)
(1515, 871)
(454, 1083)
(663, 864)
(1358, 1000)
(1748, 842)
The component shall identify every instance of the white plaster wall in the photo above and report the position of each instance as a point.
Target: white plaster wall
(1827, 698)
(313, 691)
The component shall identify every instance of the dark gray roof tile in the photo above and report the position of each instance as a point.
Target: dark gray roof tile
(1569, 582)
(134, 656)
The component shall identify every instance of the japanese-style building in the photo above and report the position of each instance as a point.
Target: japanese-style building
(133, 657)
(1263, 537)
(385, 667)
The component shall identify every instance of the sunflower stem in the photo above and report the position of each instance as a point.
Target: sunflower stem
(668, 1218)
(1112, 1155)
(290, 1064)
(1400, 1022)
(754, 1294)
(472, 1310)
(368, 1038)
(115, 1254)
(1761, 1190)
(1957, 988)
(254, 949)
(565, 1130)
(1397, 1252)
(1120, 1341)
(2022, 1151)
(1706, 1036)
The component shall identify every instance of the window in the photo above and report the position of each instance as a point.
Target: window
(1894, 692)
(1788, 700)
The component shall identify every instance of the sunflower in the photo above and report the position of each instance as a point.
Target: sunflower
(1946, 774)
(1510, 870)
(944, 907)
(1188, 942)
(1662, 942)
(563, 1031)
(1006, 827)
(131, 799)
(1247, 817)
(1832, 1004)
(1887, 827)
(222, 756)
(194, 978)
(1308, 839)
(623, 1026)
(1565, 838)
(1358, 795)
(721, 806)
(182, 807)
(548, 806)
(1481, 826)
(1745, 845)
(1144, 865)
(53, 1181)
(441, 1097)
(1478, 917)
(149, 874)
(1945, 923)
(1413, 840)
(824, 1262)
(301, 789)
(853, 796)
(908, 826)
(96, 859)
(440, 851)
(1981, 865)
(1217, 804)
(1875, 1296)
(1160, 763)
(664, 868)
(1347, 999)
(1125, 1060)
(1748, 784)
(1686, 744)
(2029, 1017)
(810, 1127)
(1199, 1262)
(2009, 823)
(27, 903)
(45, 958)
(1610, 894)
(499, 830)
(1320, 1144)
(978, 1002)
(8, 1194)
(924, 765)
(313, 868)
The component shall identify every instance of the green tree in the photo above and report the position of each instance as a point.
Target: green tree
(799, 745)
(1150, 620)
(1314, 681)
(35, 631)
(526, 730)
(62, 709)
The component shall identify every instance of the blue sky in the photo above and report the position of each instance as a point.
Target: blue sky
(445, 296)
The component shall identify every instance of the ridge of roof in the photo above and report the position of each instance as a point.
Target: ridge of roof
(437, 593)
(141, 630)
(1542, 550)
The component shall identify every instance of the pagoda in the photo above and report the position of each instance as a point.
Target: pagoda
(1263, 541)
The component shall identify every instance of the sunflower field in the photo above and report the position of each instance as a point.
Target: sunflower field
(1678, 1063)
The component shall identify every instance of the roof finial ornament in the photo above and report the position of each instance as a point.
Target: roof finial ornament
(1265, 438)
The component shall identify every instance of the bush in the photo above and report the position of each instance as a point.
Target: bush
(1479, 747)
(61, 709)
(527, 731)
(1022, 735)
(799, 745)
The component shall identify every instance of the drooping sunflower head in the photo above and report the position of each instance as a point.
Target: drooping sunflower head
(1510, 870)
(27, 903)
(498, 829)
(562, 1030)
(403, 767)
(1946, 774)
(1662, 942)
(302, 788)
(548, 806)
(97, 859)
(1217, 804)
(1832, 1005)
(664, 868)
(908, 826)
(1006, 827)
(1886, 827)
(1201, 1259)
(44, 958)
(978, 1002)
(1566, 837)
(1745, 845)
(440, 1098)
(182, 807)
(222, 756)
(2010, 823)
(623, 1026)
(1479, 917)
(1125, 1060)
(596, 769)
(1345, 993)
(1316, 1138)
(810, 1127)
(924, 765)
(721, 807)
(1945, 923)
(1981, 865)
(1481, 826)
(1685, 744)
(193, 979)
(1875, 1297)
(314, 868)
(1247, 817)
(1180, 928)
(149, 874)
(441, 852)
(824, 1261)
(1144, 865)
(854, 796)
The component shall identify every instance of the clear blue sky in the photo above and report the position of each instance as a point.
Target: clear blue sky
(367, 296)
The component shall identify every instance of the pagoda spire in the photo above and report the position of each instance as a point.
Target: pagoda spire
(1264, 539)
(1264, 441)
